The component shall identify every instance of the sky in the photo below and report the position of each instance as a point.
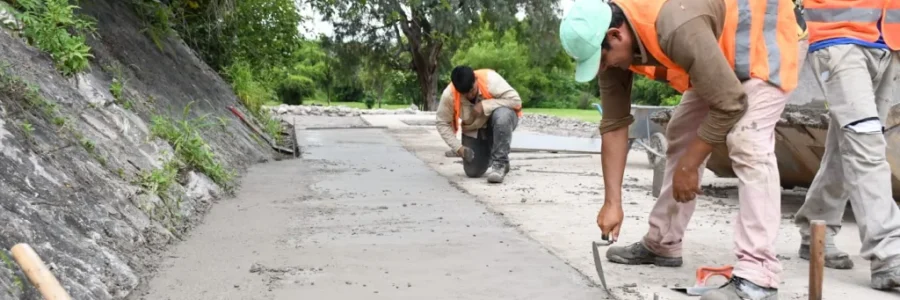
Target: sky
(315, 26)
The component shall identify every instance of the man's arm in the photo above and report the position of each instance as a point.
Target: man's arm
(691, 47)
(615, 97)
(504, 94)
(444, 118)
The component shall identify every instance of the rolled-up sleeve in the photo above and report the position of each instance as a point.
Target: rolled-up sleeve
(695, 48)
(615, 99)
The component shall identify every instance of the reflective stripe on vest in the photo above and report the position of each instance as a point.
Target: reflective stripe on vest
(480, 84)
(830, 19)
(759, 39)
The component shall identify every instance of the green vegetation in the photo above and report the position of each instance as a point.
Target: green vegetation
(190, 147)
(53, 27)
(158, 182)
(18, 283)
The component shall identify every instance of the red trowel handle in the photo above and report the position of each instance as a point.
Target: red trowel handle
(704, 273)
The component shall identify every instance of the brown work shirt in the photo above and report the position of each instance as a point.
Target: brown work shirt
(503, 95)
(688, 34)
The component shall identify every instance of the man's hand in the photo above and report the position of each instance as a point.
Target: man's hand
(609, 219)
(466, 153)
(685, 181)
(478, 109)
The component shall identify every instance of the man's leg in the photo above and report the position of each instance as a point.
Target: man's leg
(826, 200)
(482, 148)
(502, 124)
(751, 147)
(860, 111)
(668, 219)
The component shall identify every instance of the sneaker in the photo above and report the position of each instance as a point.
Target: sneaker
(497, 172)
(741, 289)
(886, 280)
(834, 258)
(637, 254)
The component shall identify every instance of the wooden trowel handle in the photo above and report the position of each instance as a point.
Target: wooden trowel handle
(38, 273)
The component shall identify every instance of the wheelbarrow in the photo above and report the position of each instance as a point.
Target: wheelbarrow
(649, 135)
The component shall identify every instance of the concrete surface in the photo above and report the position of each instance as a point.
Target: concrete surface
(555, 202)
(359, 218)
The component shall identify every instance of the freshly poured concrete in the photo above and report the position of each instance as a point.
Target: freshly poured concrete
(555, 201)
(359, 218)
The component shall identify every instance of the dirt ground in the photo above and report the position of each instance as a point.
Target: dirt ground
(555, 202)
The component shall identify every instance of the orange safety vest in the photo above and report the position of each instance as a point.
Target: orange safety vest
(826, 19)
(481, 85)
(762, 45)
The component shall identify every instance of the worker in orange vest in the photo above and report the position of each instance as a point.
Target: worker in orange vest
(735, 61)
(853, 50)
(487, 109)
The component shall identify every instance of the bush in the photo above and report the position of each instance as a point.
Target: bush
(251, 92)
(348, 92)
(369, 101)
(49, 26)
(293, 89)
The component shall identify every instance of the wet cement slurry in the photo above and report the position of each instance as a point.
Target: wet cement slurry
(359, 217)
(555, 201)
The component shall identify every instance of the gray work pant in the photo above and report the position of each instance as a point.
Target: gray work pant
(492, 143)
(859, 85)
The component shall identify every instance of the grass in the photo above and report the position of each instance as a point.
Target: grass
(587, 115)
(358, 105)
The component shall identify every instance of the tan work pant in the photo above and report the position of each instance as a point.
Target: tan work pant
(751, 147)
(859, 85)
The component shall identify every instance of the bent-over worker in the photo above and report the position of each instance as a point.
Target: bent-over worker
(489, 109)
(854, 51)
(734, 61)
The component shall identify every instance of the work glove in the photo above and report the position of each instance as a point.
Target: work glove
(466, 153)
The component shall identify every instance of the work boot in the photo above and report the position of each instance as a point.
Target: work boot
(741, 289)
(637, 254)
(887, 279)
(834, 258)
(497, 172)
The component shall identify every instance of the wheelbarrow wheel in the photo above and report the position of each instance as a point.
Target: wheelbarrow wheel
(659, 145)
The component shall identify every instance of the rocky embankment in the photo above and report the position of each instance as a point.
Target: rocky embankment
(90, 179)
(533, 122)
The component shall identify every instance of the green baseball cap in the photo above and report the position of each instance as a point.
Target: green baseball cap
(581, 32)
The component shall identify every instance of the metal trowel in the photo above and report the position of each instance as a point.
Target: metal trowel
(598, 263)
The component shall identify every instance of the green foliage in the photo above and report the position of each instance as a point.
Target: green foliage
(294, 88)
(157, 19)
(650, 92)
(115, 88)
(263, 32)
(369, 101)
(190, 147)
(251, 92)
(53, 27)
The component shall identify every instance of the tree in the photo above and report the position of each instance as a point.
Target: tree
(424, 27)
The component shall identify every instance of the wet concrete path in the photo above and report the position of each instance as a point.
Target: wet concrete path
(359, 218)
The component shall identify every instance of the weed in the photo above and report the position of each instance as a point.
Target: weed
(158, 19)
(17, 281)
(59, 121)
(28, 129)
(115, 88)
(49, 25)
(184, 136)
(159, 181)
(88, 145)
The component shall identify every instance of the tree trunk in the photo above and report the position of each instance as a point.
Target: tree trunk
(427, 81)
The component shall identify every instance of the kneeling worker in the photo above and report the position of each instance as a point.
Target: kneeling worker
(735, 61)
(489, 109)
